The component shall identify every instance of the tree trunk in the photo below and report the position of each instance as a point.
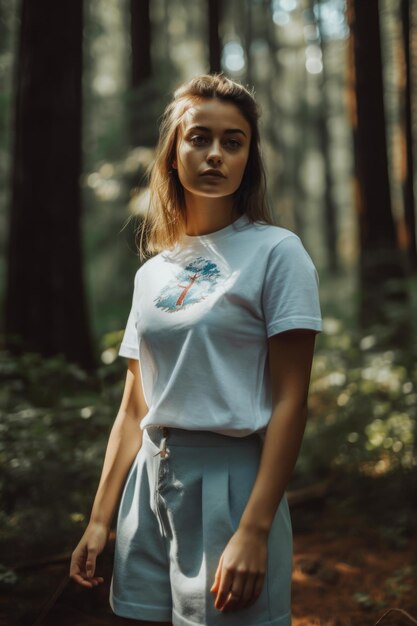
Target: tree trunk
(248, 32)
(141, 70)
(141, 41)
(383, 293)
(330, 225)
(278, 184)
(214, 18)
(408, 187)
(45, 300)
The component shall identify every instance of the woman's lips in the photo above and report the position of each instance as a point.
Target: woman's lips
(213, 174)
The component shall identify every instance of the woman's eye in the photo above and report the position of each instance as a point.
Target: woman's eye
(198, 140)
(232, 143)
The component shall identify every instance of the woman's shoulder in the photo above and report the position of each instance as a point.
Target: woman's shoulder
(283, 246)
(150, 265)
(273, 234)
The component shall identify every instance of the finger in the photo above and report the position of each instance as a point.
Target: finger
(90, 566)
(77, 561)
(78, 574)
(75, 570)
(234, 598)
(216, 583)
(79, 577)
(86, 582)
(82, 581)
(257, 589)
(248, 590)
(96, 580)
(226, 579)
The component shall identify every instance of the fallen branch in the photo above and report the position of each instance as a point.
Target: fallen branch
(51, 601)
(64, 557)
(410, 617)
(42, 562)
(316, 491)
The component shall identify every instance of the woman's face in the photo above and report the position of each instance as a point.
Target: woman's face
(213, 135)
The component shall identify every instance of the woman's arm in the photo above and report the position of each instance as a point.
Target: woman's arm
(124, 443)
(243, 563)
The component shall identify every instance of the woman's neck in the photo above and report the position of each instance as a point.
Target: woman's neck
(206, 215)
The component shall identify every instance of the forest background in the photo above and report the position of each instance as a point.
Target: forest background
(82, 88)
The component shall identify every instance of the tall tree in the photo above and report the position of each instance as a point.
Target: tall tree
(45, 298)
(214, 18)
(141, 69)
(248, 38)
(381, 272)
(330, 212)
(408, 183)
(276, 115)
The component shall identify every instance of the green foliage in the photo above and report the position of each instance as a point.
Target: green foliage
(7, 576)
(363, 406)
(399, 583)
(367, 602)
(395, 587)
(54, 425)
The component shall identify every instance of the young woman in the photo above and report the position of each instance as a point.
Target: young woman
(220, 342)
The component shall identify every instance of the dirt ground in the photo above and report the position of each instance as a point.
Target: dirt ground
(352, 578)
(346, 573)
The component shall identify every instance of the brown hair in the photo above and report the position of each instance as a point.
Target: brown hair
(164, 223)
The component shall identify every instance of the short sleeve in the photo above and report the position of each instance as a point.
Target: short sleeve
(130, 347)
(290, 294)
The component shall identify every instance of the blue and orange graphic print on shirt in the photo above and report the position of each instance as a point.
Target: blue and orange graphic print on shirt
(193, 284)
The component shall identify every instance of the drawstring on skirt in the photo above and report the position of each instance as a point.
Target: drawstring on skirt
(163, 450)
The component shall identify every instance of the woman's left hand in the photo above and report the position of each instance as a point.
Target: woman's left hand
(241, 571)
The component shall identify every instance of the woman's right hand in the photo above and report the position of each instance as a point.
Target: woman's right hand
(83, 559)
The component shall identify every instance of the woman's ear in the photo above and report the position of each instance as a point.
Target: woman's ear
(174, 164)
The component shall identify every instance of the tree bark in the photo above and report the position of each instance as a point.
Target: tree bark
(278, 185)
(45, 301)
(330, 211)
(383, 293)
(141, 69)
(140, 41)
(214, 18)
(248, 31)
(408, 186)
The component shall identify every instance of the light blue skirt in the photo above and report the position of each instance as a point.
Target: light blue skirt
(176, 516)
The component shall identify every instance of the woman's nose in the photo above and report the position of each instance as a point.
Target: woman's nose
(214, 152)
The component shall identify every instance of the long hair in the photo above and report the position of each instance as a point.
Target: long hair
(165, 221)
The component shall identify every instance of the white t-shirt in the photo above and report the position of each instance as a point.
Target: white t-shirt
(200, 319)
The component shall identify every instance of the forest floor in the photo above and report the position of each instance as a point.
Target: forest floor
(346, 573)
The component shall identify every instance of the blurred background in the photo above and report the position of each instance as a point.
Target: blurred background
(82, 89)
